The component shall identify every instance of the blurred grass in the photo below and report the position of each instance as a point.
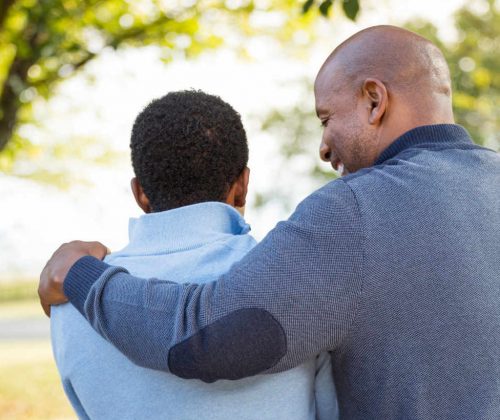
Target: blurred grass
(20, 309)
(18, 290)
(30, 387)
(19, 299)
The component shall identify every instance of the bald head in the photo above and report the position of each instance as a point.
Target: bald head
(374, 87)
(403, 60)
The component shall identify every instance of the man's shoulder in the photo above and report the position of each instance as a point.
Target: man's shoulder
(344, 200)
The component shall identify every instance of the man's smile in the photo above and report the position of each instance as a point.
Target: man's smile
(337, 164)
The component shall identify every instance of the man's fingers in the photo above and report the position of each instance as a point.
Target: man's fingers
(51, 286)
(44, 276)
(46, 308)
(98, 250)
(95, 249)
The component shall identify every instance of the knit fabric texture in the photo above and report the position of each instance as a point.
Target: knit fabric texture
(197, 243)
(395, 269)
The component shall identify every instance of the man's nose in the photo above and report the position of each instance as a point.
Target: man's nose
(324, 152)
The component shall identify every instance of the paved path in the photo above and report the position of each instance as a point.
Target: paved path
(24, 328)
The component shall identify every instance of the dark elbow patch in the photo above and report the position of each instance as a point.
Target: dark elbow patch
(243, 343)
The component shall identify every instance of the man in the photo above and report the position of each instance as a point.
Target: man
(394, 267)
(189, 153)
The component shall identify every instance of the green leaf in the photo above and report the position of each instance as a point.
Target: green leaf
(55, 35)
(307, 6)
(351, 8)
(324, 7)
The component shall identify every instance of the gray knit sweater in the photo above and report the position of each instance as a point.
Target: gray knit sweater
(395, 269)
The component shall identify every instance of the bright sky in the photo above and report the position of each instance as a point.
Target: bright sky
(37, 219)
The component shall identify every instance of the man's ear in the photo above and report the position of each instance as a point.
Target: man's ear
(238, 192)
(140, 198)
(375, 93)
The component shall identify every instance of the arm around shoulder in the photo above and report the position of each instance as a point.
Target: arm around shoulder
(293, 296)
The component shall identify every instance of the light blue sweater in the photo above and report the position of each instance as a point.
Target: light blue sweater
(193, 243)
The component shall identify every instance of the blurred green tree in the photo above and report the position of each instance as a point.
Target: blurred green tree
(474, 62)
(43, 42)
(474, 65)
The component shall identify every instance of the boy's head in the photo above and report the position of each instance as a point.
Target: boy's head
(188, 147)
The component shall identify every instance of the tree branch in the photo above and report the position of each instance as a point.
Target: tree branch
(136, 32)
(9, 100)
(4, 9)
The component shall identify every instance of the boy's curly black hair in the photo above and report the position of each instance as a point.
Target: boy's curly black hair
(187, 147)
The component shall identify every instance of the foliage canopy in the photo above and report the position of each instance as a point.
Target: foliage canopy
(43, 42)
(474, 65)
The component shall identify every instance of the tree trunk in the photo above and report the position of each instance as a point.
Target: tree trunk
(9, 101)
(15, 82)
(4, 9)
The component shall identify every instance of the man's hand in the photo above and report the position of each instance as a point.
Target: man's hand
(50, 288)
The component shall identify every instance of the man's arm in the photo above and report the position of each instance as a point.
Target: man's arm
(293, 296)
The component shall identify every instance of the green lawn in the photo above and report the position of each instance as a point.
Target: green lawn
(21, 309)
(14, 291)
(30, 387)
(19, 299)
(29, 383)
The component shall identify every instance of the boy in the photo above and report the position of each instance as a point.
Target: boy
(189, 154)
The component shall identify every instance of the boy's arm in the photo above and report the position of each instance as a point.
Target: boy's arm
(293, 296)
(65, 366)
(325, 394)
(74, 400)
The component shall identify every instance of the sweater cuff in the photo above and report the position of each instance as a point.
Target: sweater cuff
(80, 279)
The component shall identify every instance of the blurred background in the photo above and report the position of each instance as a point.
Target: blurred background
(75, 73)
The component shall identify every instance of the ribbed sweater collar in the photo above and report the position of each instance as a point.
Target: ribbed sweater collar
(183, 228)
(431, 135)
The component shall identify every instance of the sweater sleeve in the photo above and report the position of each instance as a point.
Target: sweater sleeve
(293, 296)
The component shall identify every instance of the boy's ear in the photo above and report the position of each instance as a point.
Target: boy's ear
(140, 198)
(238, 192)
